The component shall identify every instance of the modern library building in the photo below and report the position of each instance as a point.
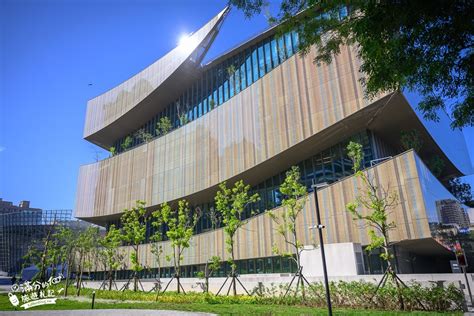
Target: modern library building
(250, 114)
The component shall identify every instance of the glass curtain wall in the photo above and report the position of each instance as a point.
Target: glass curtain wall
(220, 83)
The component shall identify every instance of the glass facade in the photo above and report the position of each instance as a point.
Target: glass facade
(249, 266)
(220, 83)
(19, 230)
(329, 166)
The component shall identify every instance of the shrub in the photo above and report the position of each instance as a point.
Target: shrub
(354, 294)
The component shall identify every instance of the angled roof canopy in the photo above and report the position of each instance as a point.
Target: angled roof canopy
(120, 110)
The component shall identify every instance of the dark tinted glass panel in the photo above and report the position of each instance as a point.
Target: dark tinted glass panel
(275, 58)
(255, 64)
(261, 61)
(268, 57)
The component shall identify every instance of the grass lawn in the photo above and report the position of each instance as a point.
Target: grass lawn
(221, 309)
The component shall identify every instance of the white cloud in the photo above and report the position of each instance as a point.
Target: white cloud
(2, 148)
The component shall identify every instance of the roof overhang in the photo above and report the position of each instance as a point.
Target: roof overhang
(387, 117)
(104, 132)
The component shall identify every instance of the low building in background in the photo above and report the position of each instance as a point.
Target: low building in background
(22, 226)
(9, 207)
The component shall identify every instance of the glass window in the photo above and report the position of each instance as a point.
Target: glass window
(327, 166)
(268, 57)
(226, 90)
(296, 41)
(276, 265)
(285, 265)
(221, 95)
(243, 77)
(337, 161)
(251, 266)
(268, 265)
(289, 46)
(281, 49)
(248, 66)
(243, 267)
(259, 266)
(274, 53)
(261, 61)
(270, 200)
(255, 65)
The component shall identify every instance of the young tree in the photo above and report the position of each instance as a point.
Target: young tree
(231, 203)
(181, 223)
(143, 135)
(112, 259)
(183, 119)
(411, 139)
(68, 240)
(112, 151)
(44, 253)
(212, 266)
(163, 126)
(127, 143)
(294, 199)
(156, 246)
(86, 243)
(134, 232)
(423, 46)
(378, 203)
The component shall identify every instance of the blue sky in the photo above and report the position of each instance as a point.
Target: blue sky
(50, 51)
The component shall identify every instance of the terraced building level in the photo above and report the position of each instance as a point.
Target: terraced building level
(251, 114)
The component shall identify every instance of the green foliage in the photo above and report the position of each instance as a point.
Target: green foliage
(156, 246)
(377, 201)
(355, 296)
(231, 203)
(461, 191)
(134, 230)
(86, 251)
(181, 223)
(127, 143)
(355, 152)
(294, 199)
(112, 151)
(183, 119)
(109, 249)
(422, 46)
(214, 264)
(436, 165)
(143, 135)
(50, 251)
(212, 103)
(163, 126)
(411, 139)
(230, 70)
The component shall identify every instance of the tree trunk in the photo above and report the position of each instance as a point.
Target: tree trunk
(135, 274)
(79, 280)
(110, 280)
(234, 285)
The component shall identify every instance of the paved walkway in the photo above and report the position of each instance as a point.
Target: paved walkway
(105, 312)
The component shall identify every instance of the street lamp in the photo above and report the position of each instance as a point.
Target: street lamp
(320, 227)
